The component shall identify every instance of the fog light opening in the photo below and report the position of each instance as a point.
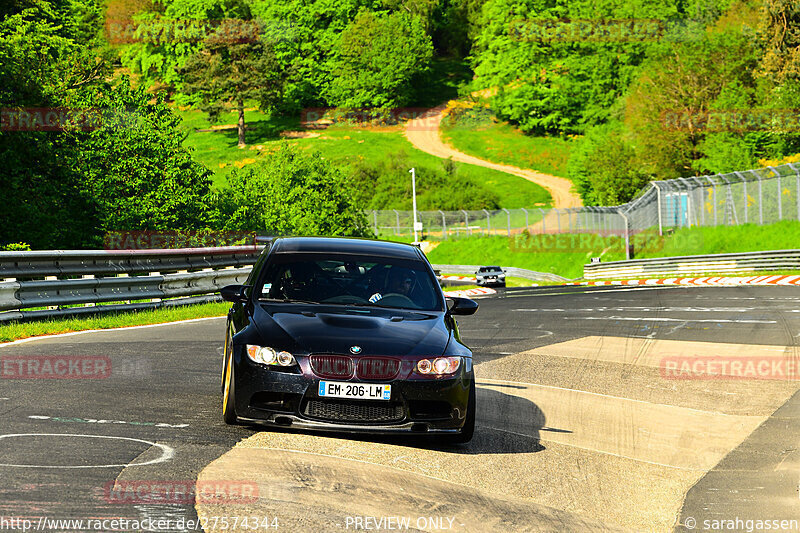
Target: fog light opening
(419, 427)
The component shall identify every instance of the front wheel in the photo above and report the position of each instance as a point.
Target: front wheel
(469, 424)
(228, 393)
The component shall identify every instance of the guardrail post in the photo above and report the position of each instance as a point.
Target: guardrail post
(488, 223)
(444, 225)
(508, 217)
(154, 274)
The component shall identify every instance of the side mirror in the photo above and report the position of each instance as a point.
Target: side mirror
(234, 293)
(461, 306)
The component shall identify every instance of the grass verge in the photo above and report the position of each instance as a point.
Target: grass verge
(501, 142)
(22, 330)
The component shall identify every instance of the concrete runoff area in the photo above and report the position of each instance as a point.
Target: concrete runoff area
(619, 462)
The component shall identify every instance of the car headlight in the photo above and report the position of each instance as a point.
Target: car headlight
(440, 366)
(268, 356)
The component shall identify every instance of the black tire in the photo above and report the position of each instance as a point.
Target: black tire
(469, 424)
(229, 399)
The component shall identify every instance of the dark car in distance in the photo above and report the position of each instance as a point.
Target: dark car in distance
(348, 335)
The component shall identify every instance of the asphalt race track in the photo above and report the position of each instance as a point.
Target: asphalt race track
(582, 425)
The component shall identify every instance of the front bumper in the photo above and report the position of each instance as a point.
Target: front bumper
(278, 398)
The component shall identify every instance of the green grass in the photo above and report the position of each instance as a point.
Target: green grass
(783, 235)
(21, 330)
(497, 251)
(551, 253)
(500, 142)
(738, 274)
(342, 144)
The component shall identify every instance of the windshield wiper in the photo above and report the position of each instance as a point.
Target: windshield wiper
(287, 301)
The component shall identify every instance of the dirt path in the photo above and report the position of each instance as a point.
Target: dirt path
(423, 133)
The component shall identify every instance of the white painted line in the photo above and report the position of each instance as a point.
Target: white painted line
(167, 452)
(71, 333)
(662, 319)
(104, 421)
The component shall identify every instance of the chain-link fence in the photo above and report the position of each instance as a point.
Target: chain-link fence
(760, 196)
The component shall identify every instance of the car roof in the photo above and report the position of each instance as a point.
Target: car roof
(493, 267)
(345, 245)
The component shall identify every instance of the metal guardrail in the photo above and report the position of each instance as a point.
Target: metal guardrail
(61, 278)
(511, 271)
(40, 264)
(695, 264)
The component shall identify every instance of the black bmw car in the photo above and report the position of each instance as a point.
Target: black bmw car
(347, 335)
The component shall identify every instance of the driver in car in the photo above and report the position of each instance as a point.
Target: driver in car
(400, 281)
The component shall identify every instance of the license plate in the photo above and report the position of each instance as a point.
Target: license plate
(355, 391)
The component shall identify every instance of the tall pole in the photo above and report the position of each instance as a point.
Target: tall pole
(414, 200)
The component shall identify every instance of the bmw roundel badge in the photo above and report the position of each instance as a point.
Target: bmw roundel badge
(355, 350)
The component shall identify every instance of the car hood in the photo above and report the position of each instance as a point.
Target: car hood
(332, 329)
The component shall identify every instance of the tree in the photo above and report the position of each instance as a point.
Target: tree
(126, 170)
(234, 71)
(559, 66)
(293, 193)
(376, 58)
(667, 106)
(135, 168)
(779, 29)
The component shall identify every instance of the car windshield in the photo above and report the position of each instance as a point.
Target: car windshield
(350, 280)
(490, 269)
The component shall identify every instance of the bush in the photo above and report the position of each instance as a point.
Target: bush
(292, 193)
(387, 185)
